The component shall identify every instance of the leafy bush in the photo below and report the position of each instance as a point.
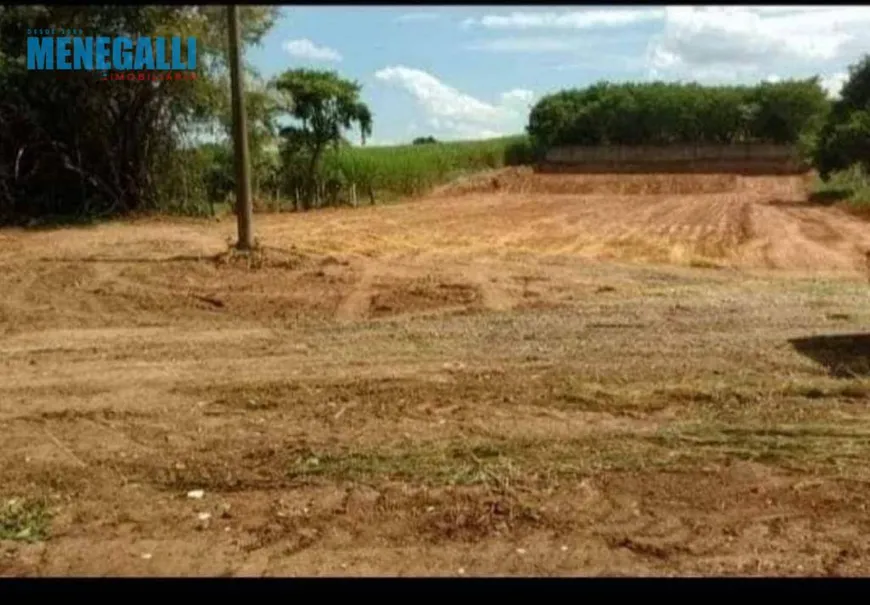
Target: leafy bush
(844, 141)
(851, 186)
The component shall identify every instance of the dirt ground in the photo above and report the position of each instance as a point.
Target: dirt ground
(519, 375)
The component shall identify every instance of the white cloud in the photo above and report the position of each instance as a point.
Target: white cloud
(833, 83)
(570, 20)
(736, 41)
(306, 49)
(455, 114)
(517, 96)
(416, 17)
(437, 98)
(580, 33)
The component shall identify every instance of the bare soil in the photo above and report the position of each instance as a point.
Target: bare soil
(519, 375)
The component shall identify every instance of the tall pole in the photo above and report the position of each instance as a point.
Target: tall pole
(244, 212)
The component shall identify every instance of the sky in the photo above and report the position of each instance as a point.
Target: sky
(456, 72)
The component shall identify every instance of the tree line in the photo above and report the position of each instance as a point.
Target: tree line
(833, 135)
(660, 113)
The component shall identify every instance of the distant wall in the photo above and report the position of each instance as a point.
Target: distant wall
(756, 159)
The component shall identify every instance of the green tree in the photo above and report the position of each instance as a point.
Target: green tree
(844, 140)
(659, 113)
(551, 118)
(324, 106)
(76, 146)
(784, 110)
(855, 94)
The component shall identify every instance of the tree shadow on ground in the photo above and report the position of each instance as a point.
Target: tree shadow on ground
(828, 197)
(260, 256)
(795, 203)
(843, 355)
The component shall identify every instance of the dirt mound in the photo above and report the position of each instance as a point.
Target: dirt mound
(102, 290)
(423, 295)
(264, 257)
(524, 180)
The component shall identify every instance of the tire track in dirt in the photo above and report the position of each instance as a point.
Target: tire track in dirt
(749, 222)
(804, 239)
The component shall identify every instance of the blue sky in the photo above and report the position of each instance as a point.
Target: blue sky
(471, 72)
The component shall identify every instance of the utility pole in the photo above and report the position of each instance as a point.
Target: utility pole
(244, 212)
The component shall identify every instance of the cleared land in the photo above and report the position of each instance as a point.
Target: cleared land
(518, 375)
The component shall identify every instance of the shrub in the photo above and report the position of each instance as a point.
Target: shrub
(850, 186)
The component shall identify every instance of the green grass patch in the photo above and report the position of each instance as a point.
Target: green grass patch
(505, 464)
(25, 520)
(850, 187)
(807, 447)
(441, 464)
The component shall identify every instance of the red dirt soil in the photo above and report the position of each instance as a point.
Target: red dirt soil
(521, 374)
